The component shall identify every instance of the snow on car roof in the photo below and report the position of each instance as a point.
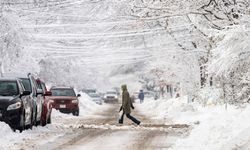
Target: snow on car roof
(8, 79)
(61, 87)
(17, 75)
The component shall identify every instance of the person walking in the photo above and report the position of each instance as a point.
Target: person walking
(126, 105)
(141, 96)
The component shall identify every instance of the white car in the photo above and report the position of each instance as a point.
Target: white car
(96, 98)
(111, 97)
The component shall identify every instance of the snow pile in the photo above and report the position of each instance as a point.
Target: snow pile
(4, 129)
(172, 109)
(218, 129)
(213, 126)
(210, 96)
(87, 106)
(14, 140)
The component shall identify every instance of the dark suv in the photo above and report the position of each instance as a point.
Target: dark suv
(65, 100)
(15, 104)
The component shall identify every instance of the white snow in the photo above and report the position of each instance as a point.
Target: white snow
(214, 127)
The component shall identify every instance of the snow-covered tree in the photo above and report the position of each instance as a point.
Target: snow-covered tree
(231, 64)
(10, 42)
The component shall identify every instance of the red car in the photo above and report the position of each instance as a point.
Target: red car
(65, 100)
(47, 103)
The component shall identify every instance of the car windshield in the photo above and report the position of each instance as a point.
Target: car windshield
(90, 91)
(94, 95)
(26, 84)
(111, 92)
(63, 92)
(8, 88)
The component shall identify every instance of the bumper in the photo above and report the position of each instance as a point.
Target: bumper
(11, 117)
(67, 108)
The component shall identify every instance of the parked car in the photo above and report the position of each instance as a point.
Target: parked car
(111, 97)
(65, 100)
(15, 104)
(30, 84)
(96, 98)
(47, 103)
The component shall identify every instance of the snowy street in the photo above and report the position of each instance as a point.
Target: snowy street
(101, 131)
(178, 71)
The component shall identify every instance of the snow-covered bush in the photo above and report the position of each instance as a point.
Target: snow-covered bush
(210, 96)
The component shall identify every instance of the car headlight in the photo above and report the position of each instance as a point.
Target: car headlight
(74, 101)
(17, 105)
(116, 97)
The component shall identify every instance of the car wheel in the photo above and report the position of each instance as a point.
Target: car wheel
(43, 122)
(22, 122)
(76, 113)
(30, 126)
(49, 119)
(38, 123)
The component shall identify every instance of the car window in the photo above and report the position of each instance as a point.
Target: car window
(63, 92)
(34, 85)
(43, 87)
(26, 84)
(8, 88)
(94, 95)
(21, 87)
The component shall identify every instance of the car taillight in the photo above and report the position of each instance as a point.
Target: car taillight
(75, 101)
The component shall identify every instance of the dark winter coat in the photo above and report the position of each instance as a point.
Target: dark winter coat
(141, 96)
(126, 102)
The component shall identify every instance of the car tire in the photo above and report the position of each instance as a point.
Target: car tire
(44, 122)
(22, 122)
(30, 126)
(38, 123)
(76, 113)
(49, 120)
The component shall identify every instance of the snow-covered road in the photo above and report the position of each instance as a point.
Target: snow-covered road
(101, 131)
(105, 133)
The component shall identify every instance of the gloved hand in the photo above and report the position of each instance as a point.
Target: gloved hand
(132, 107)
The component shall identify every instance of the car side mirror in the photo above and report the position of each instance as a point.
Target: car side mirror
(25, 93)
(78, 95)
(39, 92)
(48, 93)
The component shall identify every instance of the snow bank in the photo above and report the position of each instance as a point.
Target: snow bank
(170, 110)
(88, 107)
(218, 129)
(214, 127)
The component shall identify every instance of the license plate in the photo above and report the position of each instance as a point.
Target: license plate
(62, 106)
